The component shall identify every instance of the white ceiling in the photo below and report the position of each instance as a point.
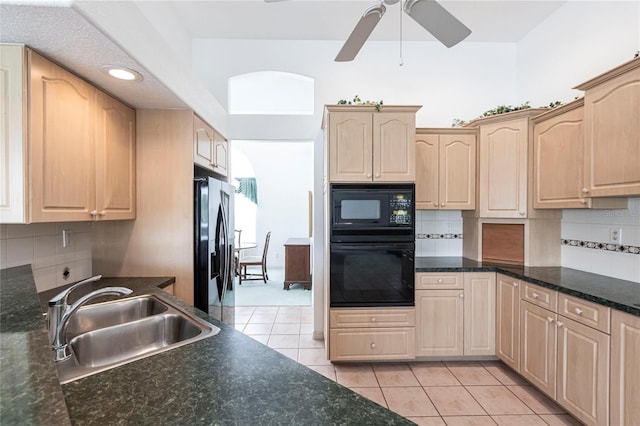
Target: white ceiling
(490, 21)
(64, 35)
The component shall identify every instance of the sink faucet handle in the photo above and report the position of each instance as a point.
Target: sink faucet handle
(61, 298)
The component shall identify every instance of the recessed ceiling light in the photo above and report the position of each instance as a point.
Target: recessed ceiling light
(122, 73)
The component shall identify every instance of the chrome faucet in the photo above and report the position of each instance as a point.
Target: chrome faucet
(59, 312)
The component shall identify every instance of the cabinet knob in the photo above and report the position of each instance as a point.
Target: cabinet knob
(377, 174)
(585, 191)
(440, 280)
(442, 205)
(435, 204)
(372, 345)
(373, 319)
(102, 213)
(521, 213)
(550, 319)
(535, 295)
(368, 175)
(560, 324)
(516, 284)
(578, 311)
(583, 201)
(93, 213)
(461, 295)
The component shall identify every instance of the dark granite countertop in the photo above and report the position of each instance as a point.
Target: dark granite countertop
(615, 293)
(228, 379)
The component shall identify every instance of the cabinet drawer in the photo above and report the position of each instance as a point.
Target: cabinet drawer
(540, 296)
(425, 281)
(391, 317)
(369, 344)
(585, 312)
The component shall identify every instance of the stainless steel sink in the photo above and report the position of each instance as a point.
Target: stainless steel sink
(101, 315)
(110, 334)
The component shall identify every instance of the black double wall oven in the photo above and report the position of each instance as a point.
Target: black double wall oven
(372, 245)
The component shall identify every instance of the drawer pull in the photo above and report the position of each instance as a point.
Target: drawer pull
(550, 319)
(560, 324)
(435, 204)
(373, 319)
(535, 295)
(578, 311)
(373, 345)
(515, 284)
(461, 295)
(440, 280)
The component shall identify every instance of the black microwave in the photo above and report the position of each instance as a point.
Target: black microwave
(371, 212)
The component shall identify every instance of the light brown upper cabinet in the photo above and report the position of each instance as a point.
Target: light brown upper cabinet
(504, 144)
(558, 166)
(370, 146)
(612, 132)
(210, 148)
(81, 149)
(446, 169)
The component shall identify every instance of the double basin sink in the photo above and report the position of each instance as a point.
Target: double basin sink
(106, 335)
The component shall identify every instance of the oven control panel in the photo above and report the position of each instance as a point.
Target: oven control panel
(400, 209)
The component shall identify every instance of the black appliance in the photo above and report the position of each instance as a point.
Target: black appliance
(213, 248)
(371, 258)
(371, 211)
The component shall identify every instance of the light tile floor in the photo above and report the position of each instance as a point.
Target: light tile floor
(427, 393)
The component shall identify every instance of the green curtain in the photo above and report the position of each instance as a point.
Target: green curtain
(249, 188)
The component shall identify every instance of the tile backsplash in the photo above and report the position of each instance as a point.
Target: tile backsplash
(438, 233)
(41, 246)
(586, 243)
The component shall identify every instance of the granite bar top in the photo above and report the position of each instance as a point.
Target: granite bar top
(618, 294)
(228, 378)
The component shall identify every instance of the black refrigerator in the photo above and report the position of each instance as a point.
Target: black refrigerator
(213, 248)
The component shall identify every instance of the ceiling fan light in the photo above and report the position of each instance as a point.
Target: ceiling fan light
(361, 32)
(437, 20)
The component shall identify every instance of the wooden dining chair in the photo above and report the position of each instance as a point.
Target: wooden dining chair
(236, 254)
(256, 261)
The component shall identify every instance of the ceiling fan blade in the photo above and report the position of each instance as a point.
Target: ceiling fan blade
(360, 33)
(437, 20)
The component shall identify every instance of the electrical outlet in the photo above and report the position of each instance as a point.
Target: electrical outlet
(66, 238)
(615, 236)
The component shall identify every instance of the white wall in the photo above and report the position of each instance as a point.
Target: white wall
(284, 175)
(461, 82)
(41, 246)
(579, 41)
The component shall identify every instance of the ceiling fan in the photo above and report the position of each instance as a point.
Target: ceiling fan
(428, 13)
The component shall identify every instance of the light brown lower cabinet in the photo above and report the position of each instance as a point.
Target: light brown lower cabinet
(566, 359)
(363, 334)
(440, 315)
(625, 369)
(508, 320)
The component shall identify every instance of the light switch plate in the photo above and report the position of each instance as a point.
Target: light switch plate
(66, 238)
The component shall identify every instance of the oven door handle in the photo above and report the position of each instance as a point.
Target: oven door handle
(372, 246)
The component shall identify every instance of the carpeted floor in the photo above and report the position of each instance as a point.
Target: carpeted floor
(257, 293)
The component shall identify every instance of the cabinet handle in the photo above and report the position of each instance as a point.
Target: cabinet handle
(578, 311)
(550, 319)
(583, 201)
(439, 280)
(372, 345)
(368, 175)
(373, 319)
(102, 213)
(535, 295)
(377, 174)
(515, 284)
(559, 323)
(442, 205)
(461, 295)
(435, 204)
(585, 191)
(93, 213)
(521, 213)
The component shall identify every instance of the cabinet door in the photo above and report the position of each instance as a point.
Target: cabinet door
(503, 169)
(115, 159)
(394, 147)
(439, 323)
(479, 313)
(508, 321)
(612, 136)
(62, 144)
(220, 154)
(625, 369)
(203, 143)
(558, 165)
(427, 172)
(538, 347)
(457, 183)
(583, 371)
(13, 147)
(350, 147)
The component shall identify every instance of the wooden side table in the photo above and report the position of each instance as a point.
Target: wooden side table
(297, 262)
